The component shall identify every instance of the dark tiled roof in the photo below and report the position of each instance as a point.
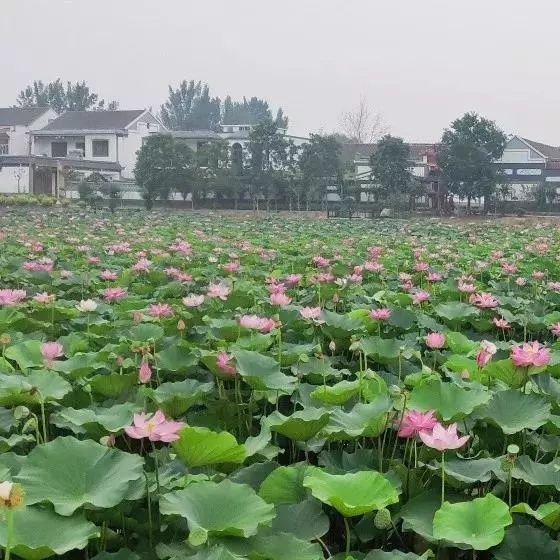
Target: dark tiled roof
(94, 120)
(12, 116)
(193, 134)
(552, 152)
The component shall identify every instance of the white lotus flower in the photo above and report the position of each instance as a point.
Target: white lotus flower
(86, 306)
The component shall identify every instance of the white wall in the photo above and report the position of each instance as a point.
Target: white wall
(9, 182)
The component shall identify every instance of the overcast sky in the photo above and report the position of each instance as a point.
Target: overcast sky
(419, 63)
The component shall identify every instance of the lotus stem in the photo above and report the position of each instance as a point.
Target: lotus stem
(347, 527)
(9, 532)
(442, 477)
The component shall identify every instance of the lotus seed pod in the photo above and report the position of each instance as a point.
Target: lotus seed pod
(382, 519)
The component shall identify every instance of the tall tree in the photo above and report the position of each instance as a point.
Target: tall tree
(363, 125)
(468, 149)
(164, 166)
(251, 112)
(190, 107)
(72, 97)
(389, 167)
(321, 165)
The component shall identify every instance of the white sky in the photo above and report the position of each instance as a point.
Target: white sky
(420, 63)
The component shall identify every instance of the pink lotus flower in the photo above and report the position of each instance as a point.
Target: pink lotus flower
(44, 297)
(143, 265)
(554, 286)
(193, 300)
(321, 261)
(108, 275)
(555, 329)
(521, 281)
(180, 246)
(381, 314)
(114, 294)
(222, 362)
(538, 275)
(231, 267)
(484, 300)
(293, 279)
(93, 260)
(160, 310)
(435, 340)
(144, 373)
(487, 350)
(155, 428)
(263, 324)
(434, 277)
(509, 268)
(310, 313)
(442, 438)
(530, 354)
(420, 296)
(374, 266)
(280, 299)
(66, 274)
(466, 288)
(11, 297)
(50, 351)
(414, 421)
(501, 323)
(220, 291)
(421, 266)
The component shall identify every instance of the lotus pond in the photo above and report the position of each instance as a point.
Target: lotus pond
(218, 388)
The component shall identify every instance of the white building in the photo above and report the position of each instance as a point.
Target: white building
(15, 126)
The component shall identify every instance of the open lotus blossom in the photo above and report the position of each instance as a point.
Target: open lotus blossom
(263, 324)
(413, 421)
(11, 297)
(320, 261)
(293, 279)
(434, 277)
(484, 355)
(435, 340)
(222, 363)
(466, 288)
(50, 351)
(381, 314)
(501, 323)
(143, 265)
(109, 275)
(310, 313)
(420, 296)
(442, 438)
(484, 300)
(521, 281)
(144, 372)
(44, 297)
(537, 274)
(220, 291)
(280, 299)
(530, 354)
(160, 310)
(155, 428)
(114, 294)
(193, 300)
(86, 306)
(555, 329)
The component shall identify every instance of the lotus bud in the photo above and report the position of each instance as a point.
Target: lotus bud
(21, 412)
(30, 426)
(181, 325)
(332, 346)
(87, 388)
(395, 391)
(382, 519)
(108, 441)
(11, 495)
(5, 339)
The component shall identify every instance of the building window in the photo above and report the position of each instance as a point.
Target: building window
(100, 148)
(81, 146)
(59, 149)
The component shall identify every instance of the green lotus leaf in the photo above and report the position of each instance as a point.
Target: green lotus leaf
(284, 546)
(455, 311)
(381, 349)
(176, 398)
(40, 533)
(537, 474)
(262, 372)
(14, 440)
(548, 514)
(458, 343)
(401, 318)
(305, 520)
(514, 411)
(505, 371)
(459, 363)
(176, 358)
(301, 425)
(352, 494)
(478, 524)
(365, 419)
(450, 401)
(26, 354)
(223, 508)
(336, 394)
(70, 474)
(110, 419)
(123, 554)
(39, 386)
(526, 543)
(395, 555)
(284, 485)
(212, 553)
(145, 332)
(198, 447)
(469, 471)
(114, 384)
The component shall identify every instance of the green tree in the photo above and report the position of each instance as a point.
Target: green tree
(468, 150)
(190, 107)
(389, 167)
(163, 167)
(321, 165)
(72, 97)
(251, 112)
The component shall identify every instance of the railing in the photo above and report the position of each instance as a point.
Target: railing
(3, 149)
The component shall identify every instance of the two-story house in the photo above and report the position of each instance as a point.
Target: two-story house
(15, 125)
(89, 141)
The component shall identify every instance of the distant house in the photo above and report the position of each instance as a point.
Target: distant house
(526, 164)
(15, 126)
